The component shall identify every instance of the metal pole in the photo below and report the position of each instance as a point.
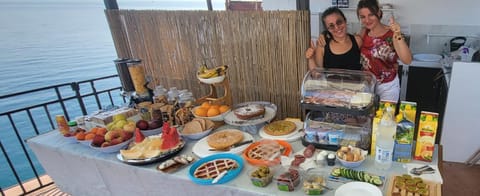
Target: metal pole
(209, 5)
(111, 4)
(303, 5)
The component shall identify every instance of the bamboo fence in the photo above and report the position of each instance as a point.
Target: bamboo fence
(263, 49)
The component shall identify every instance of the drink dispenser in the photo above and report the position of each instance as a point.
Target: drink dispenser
(124, 74)
(137, 73)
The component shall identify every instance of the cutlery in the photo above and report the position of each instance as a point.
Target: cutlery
(220, 176)
(422, 170)
(232, 146)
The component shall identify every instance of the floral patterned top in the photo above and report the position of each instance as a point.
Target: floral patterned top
(379, 57)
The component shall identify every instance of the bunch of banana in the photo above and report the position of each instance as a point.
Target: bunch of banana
(204, 72)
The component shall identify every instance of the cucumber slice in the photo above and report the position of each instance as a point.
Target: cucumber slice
(336, 172)
(366, 178)
(359, 176)
(377, 182)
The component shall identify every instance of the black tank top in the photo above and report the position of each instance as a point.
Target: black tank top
(349, 60)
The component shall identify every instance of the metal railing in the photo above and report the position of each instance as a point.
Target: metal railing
(32, 112)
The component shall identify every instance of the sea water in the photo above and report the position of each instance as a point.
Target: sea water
(50, 42)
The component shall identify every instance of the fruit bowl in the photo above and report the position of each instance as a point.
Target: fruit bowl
(212, 118)
(213, 80)
(113, 148)
(150, 132)
(85, 142)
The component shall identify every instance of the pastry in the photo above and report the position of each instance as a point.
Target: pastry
(225, 138)
(211, 169)
(249, 111)
(265, 151)
(281, 127)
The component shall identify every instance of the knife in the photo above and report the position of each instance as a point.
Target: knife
(232, 146)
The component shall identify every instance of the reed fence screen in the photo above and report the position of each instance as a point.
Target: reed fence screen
(265, 50)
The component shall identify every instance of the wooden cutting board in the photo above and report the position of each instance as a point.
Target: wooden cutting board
(434, 189)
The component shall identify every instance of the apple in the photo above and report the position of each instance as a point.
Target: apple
(154, 124)
(69, 134)
(130, 127)
(98, 140)
(142, 124)
(106, 144)
(128, 135)
(113, 134)
(116, 141)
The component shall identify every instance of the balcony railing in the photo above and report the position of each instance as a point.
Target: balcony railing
(30, 113)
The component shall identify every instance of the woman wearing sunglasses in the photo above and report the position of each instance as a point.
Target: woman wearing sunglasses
(382, 46)
(341, 49)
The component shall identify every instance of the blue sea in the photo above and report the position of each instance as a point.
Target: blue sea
(49, 42)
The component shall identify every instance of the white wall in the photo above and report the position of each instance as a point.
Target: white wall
(461, 130)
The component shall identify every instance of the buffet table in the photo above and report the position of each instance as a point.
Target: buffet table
(80, 170)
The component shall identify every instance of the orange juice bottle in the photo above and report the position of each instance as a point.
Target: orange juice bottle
(427, 130)
(62, 124)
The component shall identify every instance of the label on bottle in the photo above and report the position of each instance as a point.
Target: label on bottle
(62, 124)
(383, 155)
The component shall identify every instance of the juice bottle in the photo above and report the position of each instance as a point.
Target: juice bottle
(62, 124)
(385, 140)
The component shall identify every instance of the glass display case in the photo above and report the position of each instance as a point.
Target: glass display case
(338, 106)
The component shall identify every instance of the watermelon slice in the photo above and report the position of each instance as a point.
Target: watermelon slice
(139, 137)
(171, 138)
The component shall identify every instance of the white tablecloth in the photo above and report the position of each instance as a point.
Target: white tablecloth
(81, 171)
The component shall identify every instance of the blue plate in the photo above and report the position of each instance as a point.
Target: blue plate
(231, 174)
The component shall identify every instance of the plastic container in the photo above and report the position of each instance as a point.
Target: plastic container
(314, 183)
(339, 88)
(261, 176)
(287, 179)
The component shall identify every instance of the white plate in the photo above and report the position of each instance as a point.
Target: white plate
(293, 136)
(358, 189)
(201, 148)
(270, 112)
(427, 57)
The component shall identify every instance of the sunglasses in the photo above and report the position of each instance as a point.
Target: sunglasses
(339, 23)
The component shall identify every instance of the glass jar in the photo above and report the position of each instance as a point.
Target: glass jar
(72, 125)
(137, 74)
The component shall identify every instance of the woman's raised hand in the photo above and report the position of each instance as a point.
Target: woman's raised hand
(310, 51)
(394, 26)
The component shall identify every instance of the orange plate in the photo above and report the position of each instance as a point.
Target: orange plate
(286, 145)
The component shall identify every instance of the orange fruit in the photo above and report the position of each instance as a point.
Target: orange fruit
(216, 106)
(201, 111)
(205, 105)
(89, 136)
(213, 112)
(101, 131)
(223, 108)
(80, 136)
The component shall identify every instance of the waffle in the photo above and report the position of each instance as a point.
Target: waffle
(280, 127)
(211, 169)
(265, 151)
